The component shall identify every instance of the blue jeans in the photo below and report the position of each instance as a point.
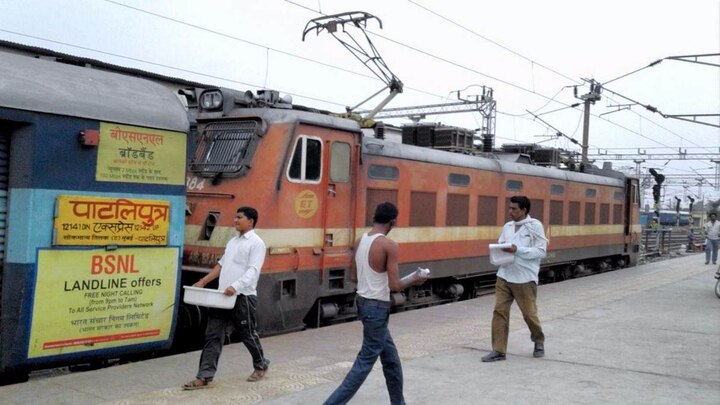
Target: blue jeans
(711, 247)
(377, 342)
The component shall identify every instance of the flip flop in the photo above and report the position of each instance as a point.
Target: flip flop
(257, 375)
(197, 384)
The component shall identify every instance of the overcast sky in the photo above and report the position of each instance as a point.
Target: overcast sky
(527, 51)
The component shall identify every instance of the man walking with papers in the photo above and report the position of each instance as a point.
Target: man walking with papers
(375, 270)
(517, 278)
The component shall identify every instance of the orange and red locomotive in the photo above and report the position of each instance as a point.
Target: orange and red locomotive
(316, 179)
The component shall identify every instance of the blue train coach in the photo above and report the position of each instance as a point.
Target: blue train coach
(667, 218)
(92, 205)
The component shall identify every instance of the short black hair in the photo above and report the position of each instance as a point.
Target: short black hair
(384, 213)
(713, 214)
(522, 202)
(250, 213)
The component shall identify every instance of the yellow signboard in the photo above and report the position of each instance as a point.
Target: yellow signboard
(93, 221)
(97, 299)
(130, 154)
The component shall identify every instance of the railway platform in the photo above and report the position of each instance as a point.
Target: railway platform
(647, 334)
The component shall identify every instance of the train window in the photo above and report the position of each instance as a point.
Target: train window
(457, 210)
(635, 194)
(225, 147)
(374, 197)
(574, 213)
(381, 172)
(617, 213)
(456, 179)
(590, 193)
(340, 162)
(556, 212)
(422, 208)
(514, 185)
(537, 209)
(589, 214)
(557, 189)
(604, 214)
(306, 162)
(619, 195)
(487, 211)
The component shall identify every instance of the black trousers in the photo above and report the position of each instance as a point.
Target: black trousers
(222, 321)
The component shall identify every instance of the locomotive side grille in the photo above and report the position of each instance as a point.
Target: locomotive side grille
(223, 147)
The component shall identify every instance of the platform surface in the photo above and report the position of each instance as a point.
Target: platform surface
(647, 334)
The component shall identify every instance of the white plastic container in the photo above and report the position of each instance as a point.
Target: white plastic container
(206, 297)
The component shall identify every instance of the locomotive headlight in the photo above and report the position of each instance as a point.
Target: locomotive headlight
(211, 100)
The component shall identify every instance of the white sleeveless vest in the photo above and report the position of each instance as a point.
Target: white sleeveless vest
(371, 284)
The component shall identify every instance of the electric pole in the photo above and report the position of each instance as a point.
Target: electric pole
(589, 98)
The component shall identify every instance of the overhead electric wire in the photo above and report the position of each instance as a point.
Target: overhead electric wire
(311, 60)
(346, 70)
(552, 70)
(655, 123)
(633, 72)
(222, 34)
(491, 41)
(168, 66)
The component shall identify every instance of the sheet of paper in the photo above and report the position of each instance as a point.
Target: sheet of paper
(498, 257)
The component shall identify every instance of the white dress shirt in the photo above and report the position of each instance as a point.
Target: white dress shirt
(531, 247)
(241, 264)
(712, 230)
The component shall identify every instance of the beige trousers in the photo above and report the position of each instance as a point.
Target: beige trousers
(525, 295)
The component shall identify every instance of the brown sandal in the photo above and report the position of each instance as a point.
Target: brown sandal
(257, 375)
(197, 384)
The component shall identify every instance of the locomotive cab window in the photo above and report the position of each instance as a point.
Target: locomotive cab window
(306, 161)
(225, 148)
(340, 162)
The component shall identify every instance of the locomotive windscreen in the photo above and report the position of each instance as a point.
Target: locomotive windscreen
(223, 147)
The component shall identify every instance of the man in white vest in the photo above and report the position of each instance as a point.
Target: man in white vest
(375, 270)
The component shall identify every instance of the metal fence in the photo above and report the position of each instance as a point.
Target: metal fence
(670, 241)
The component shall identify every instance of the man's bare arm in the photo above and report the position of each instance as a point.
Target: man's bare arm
(353, 267)
(215, 273)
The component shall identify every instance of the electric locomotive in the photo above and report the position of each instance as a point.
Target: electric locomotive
(316, 179)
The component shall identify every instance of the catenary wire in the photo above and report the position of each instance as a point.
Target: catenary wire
(493, 78)
(449, 20)
(328, 65)
(224, 35)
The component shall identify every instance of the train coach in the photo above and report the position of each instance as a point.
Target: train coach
(92, 207)
(316, 180)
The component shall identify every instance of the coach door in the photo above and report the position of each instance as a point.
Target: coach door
(338, 229)
(632, 211)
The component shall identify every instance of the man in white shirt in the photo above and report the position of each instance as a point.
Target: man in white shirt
(712, 234)
(518, 280)
(239, 271)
